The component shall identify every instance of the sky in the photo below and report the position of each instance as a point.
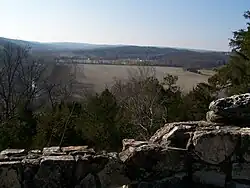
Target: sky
(196, 24)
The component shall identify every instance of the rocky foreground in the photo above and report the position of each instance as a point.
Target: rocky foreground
(212, 153)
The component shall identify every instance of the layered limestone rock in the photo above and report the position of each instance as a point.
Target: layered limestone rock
(181, 154)
(66, 167)
(213, 153)
(234, 109)
(218, 153)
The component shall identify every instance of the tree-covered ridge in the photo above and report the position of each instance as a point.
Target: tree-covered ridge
(160, 56)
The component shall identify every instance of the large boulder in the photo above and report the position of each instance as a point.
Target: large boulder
(149, 161)
(209, 142)
(205, 174)
(245, 144)
(55, 172)
(234, 109)
(180, 134)
(214, 145)
(177, 134)
(89, 164)
(11, 174)
(114, 172)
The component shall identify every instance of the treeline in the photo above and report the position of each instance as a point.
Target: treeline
(159, 56)
(38, 111)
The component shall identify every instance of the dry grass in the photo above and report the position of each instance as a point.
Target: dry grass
(102, 76)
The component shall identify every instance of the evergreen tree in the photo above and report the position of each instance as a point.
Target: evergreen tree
(235, 76)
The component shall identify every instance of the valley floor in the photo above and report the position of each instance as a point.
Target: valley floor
(101, 76)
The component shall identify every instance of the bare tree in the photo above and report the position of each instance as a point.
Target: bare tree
(60, 84)
(140, 96)
(18, 75)
(25, 82)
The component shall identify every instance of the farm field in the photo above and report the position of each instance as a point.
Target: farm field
(101, 76)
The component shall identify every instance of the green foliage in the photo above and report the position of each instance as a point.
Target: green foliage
(58, 127)
(99, 121)
(171, 98)
(19, 131)
(241, 40)
(196, 102)
(235, 76)
(132, 109)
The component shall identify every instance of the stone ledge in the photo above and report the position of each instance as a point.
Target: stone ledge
(196, 152)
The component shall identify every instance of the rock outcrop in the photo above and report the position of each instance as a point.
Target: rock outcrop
(234, 109)
(213, 153)
(196, 152)
(74, 166)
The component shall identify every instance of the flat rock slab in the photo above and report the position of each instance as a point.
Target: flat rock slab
(160, 133)
(13, 152)
(55, 150)
(73, 148)
(53, 159)
(87, 151)
(132, 143)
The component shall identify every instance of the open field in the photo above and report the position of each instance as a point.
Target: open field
(101, 76)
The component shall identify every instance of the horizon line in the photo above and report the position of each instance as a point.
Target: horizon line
(119, 44)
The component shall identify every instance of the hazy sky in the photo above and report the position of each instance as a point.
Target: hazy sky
(202, 24)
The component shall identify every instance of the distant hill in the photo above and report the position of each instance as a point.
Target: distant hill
(160, 56)
(177, 57)
(53, 46)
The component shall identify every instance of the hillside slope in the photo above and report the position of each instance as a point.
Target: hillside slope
(52, 46)
(174, 57)
(161, 56)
